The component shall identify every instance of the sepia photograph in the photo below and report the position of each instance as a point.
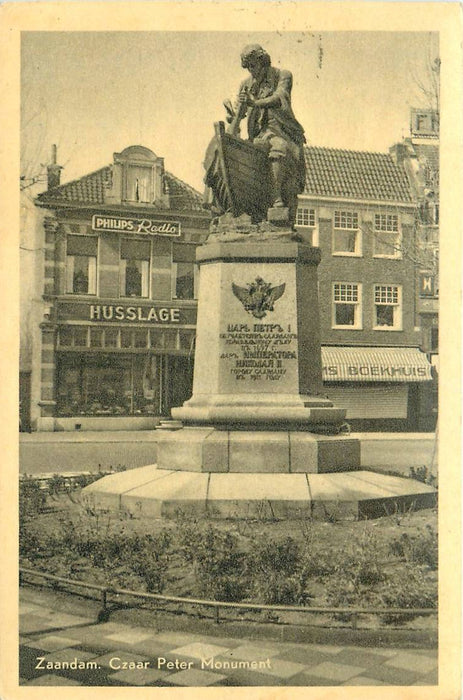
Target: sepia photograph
(229, 392)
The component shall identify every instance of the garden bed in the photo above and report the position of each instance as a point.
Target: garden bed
(390, 562)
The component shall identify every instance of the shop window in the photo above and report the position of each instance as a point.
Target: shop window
(111, 385)
(81, 336)
(111, 337)
(346, 233)
(347, 306)
(386, 236)
(96, 337)
(134, 268)
(140, 338)
(305, 217)
(81, 257)
(157, 339)
(65, 336)
(126, 338)
(434, 339)
(388, 307)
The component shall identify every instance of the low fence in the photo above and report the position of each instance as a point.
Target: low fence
(104, 591)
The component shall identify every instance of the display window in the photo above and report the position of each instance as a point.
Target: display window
(122, 385)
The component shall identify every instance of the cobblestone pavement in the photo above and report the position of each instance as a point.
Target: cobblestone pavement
(60, 649)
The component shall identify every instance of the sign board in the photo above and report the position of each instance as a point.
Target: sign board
(128, 224)
(155, 314)
(427, 285)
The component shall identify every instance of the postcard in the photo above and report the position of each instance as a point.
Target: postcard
(231, 270)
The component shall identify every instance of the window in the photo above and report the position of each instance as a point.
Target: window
(81, 255)
(386, 236)
(139, 187)
(184, 280)
(109, 384)
(184, 271)
(388, 307)
(346, 234)
(347, 308)
(305, 217)
(134, 268)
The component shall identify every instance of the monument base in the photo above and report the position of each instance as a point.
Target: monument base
(208, 449)
(154, 493)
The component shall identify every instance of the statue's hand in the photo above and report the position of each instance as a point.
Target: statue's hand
(243, 96)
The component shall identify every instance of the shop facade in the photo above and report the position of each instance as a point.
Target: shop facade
(120, 289)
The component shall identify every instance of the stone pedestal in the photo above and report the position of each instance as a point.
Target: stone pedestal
(258, 356)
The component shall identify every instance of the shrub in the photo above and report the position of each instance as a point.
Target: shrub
(276, 570)
(272, 556)
(32, 497)
(421, 548)
(219, 565)
(408, 589)
(424, 475)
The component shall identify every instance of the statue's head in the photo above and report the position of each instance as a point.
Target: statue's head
(253, 57)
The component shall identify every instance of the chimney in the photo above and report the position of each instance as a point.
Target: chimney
(53, 171)
(399, 152)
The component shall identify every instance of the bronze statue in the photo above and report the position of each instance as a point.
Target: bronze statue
(269, 174)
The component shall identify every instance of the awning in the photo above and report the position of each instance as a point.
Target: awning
(360, 364)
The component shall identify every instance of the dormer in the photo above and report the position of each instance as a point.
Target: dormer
(138, 179)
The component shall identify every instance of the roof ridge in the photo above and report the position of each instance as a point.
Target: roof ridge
(347, 150)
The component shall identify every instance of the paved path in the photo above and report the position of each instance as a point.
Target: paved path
(117, 654)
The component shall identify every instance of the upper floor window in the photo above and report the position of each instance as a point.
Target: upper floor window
(305, 217)
(386, 236)
(139, 183)
(184, 271)
(346, 234)
(134, 268)
(81, 257)
(388, 307)
(347, 305)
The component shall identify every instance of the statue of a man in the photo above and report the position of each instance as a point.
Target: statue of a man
(266, 94)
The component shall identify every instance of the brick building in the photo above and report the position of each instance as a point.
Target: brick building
(360, 209)
(119, 288)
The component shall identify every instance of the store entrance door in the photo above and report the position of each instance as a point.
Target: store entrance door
(179, 385)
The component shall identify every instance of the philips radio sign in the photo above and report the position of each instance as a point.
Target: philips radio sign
(124, 224)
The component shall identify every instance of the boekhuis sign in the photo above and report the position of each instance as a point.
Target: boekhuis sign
(128, 224)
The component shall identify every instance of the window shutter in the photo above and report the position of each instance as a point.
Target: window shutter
(184, 252)
(82, 245)
(135, 250)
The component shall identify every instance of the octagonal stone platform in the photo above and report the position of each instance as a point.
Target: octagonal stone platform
(152, 492)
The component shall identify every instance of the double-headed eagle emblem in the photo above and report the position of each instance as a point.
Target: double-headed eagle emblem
(259, 297)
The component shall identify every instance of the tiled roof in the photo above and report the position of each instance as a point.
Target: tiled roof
(333, 172)
(181, 195)
(91, 189)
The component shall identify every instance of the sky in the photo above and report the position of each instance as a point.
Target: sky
(95, 93)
